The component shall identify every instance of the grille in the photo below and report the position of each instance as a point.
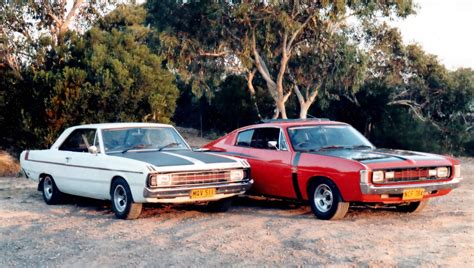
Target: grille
(413, 174)
(190, 178)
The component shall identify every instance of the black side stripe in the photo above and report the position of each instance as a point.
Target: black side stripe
(294, 176)
(77, 166)
(296, 185)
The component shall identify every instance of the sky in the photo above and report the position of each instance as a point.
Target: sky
(444, 28)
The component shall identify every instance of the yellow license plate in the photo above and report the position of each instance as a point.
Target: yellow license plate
(413, 194)
(202, 193)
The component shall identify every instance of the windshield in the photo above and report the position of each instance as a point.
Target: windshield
(142, 138)
(314, 138)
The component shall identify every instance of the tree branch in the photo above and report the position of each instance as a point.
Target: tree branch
(261, 67)
(70, 15)
(296, 33)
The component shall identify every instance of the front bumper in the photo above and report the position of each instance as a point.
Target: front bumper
(180, 194)
(398, 189)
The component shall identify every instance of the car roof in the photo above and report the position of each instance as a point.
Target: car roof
(295, 123)
(120, 125)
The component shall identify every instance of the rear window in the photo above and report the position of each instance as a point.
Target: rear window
(244, 138)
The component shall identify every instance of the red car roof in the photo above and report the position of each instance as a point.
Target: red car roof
(296, 122)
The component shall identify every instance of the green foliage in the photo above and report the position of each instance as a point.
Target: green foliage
(108, 74)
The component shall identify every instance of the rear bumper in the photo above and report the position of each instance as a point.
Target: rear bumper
(182, 194)
(398, 189)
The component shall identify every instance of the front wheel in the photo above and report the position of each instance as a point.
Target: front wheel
(412, 207)
(51, 193)
(326, 201)
(122, 201)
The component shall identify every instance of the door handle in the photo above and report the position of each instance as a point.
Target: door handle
(68, 158)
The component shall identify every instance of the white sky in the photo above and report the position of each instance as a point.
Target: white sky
(444, 28)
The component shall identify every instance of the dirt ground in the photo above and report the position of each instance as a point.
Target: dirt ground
(256, 231)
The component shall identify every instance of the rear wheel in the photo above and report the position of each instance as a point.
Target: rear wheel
(413, 207)
(222, 205)
(326, 201)
(122, 201)
(51, 193)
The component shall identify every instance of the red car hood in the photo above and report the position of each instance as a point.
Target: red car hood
(388, 158)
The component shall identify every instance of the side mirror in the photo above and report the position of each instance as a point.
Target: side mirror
(93, 149)
(272, 145)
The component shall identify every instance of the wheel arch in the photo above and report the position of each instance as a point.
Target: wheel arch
(316, 178)
(40, 181)
(118, 177)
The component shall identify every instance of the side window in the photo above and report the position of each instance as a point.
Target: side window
(79, 140)
(262, 136)
(282, 142)
(96, 141)
(244, 138)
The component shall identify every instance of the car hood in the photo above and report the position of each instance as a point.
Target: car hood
(176, 158)
(368, 156)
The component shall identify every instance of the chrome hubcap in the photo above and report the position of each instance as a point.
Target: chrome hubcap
(323, 198)
(48, 188)
(120, 198)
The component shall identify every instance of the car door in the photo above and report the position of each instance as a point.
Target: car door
(84, 170)
(270, 161)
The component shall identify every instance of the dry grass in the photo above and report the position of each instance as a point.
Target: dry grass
(9, 166)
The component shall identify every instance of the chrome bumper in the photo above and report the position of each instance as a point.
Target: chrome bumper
(398, 189)
(184, 191)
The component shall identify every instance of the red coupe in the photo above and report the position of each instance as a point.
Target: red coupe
(331, 165)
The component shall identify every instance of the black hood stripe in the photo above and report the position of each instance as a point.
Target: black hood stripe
(175, 158)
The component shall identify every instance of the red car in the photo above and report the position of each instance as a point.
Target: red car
(331, 165)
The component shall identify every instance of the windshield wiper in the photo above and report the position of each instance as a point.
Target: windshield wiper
(332, 147)
(361, 146)
(140, 146)
(168, 145)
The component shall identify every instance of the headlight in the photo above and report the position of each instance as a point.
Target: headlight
(377, 176)
(236, 175)
(442, 172)
(389, 175)
(163, 179)
(156, 180)
(432, 172)
(457, 171)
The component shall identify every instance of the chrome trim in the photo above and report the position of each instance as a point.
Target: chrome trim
(221, 188)
(367, 188)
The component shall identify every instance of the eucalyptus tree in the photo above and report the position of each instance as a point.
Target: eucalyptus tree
(263, 37)
(31, 29)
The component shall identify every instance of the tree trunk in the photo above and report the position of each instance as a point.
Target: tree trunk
(253, 94)
(281, 108)
(304, 107)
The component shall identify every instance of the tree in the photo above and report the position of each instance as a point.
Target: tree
(104, 75)
(30, 29)
(263, 37)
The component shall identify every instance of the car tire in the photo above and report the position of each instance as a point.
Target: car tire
(50, 191)
(412, 207)
(326, 201)
(122, 201)
(222, 205)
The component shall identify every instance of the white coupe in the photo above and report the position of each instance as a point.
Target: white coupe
(131, 164)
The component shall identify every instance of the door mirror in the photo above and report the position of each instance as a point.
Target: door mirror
(93, 149)
(272, 145)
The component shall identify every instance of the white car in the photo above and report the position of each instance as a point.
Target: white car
(131, 164)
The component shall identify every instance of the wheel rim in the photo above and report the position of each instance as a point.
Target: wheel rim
(48, 188)
(120, 198)
(323, 198)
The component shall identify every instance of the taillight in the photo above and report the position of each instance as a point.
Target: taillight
(27, 154)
